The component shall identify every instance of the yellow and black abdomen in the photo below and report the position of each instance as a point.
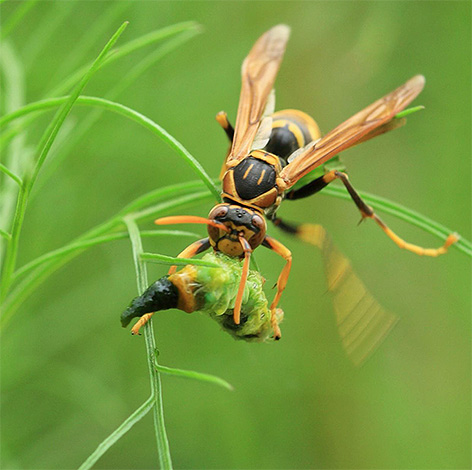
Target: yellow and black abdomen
(291, 130)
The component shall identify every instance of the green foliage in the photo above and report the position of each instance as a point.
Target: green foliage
(33, 248)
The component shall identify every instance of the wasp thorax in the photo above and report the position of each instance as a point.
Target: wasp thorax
(240, 221)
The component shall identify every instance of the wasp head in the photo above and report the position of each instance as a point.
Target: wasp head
(240, 221)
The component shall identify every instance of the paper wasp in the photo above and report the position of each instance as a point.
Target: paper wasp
(270, 152)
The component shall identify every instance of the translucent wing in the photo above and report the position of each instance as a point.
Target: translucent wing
(264, 130)
(258, 76)
(362, 322)
(373, 120)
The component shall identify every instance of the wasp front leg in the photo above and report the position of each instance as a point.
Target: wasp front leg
(192, 250)
(242, 283)
(281, 250)
(367, 212)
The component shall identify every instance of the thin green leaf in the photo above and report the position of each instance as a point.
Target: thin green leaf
(165, 461)
(4, 234)
(170, 260)
(408, 111)
(17, 157)
(125, 81)
(168, 206)
(191, 374)
(82, 245)
(43, 149)
(133, 115)
(128, 48)
(118, 433)
(31, 282)
(141, 42)
(95, 31)
(12, 175)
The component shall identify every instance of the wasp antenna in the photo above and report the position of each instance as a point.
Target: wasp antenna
(190, 219)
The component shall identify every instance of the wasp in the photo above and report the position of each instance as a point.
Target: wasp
(270, 152)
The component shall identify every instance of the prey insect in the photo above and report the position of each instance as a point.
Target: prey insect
(269, 154)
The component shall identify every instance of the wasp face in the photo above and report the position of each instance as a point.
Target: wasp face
(241, 221)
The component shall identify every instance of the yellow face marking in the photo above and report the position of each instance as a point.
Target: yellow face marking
(247, 171)
(261, 177)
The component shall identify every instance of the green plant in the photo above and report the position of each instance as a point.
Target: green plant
(18, 283)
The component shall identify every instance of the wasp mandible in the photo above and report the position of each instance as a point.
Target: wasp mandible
(270, 152)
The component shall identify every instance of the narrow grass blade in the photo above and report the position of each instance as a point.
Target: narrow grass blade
(17, 157)
(132, 46)
(82, 245)
(53, 128)
(118, 433)
(43, 149)
(95, 30)
(169, 260)
(165, 207)
(191, 374)
(127, 49)
(408, 111)
(12, 175)
(31, 282)
(125, 81)
(165, 461)
(133, 115)
(5, 235)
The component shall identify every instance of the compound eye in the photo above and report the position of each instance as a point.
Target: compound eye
(258, 222)
(218, 212)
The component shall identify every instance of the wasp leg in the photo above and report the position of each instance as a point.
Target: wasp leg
(141, 322)
(192, 250)
(368, 212)
(281, 250)
(222, 119)
(242, 284)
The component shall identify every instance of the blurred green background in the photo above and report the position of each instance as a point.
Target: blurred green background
(71, 374)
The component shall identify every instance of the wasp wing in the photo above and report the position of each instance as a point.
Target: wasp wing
(258, 76)
(264, 129)
(371, 121)
(362, 322)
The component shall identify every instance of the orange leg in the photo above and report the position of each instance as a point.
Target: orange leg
(281, 250)
(141, 322)
(222, 119)
(242, 284)
(194, 249)
(368, 212)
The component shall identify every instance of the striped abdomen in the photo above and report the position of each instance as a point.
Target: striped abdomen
(291, 130)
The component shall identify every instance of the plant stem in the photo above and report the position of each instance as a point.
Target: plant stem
(118, 433)
(165, 461)
(171, 260)
(81, 245)
(43, 149)
(41, 273)
(129, 113)
(191, 374)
